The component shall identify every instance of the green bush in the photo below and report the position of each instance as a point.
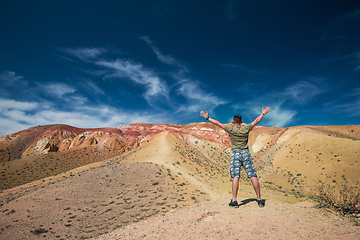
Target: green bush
(39, 231)
(343, 198)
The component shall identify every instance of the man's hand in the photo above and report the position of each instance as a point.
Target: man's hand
(258, 119)
(266, 110)
(204, 115)
(216, 122)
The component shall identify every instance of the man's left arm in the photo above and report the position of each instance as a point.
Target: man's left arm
(216, 122)
(259, 118)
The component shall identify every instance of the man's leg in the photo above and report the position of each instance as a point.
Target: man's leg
(235, 187)
(256, 186)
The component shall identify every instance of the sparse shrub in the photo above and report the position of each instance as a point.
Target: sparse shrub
(127, 208)
(39, 231)
(345, 198)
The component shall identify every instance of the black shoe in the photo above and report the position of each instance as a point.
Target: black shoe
(261, 203)
(234, 204)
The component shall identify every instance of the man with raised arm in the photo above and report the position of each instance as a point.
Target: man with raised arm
(239, 135)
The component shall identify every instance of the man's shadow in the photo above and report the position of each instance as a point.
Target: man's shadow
(246, 201)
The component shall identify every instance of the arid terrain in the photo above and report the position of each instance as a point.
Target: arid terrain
(161, 181)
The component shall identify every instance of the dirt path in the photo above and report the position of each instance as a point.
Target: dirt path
(166, 153)
(215, 220)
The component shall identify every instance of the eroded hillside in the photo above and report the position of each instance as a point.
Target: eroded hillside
(44, 151)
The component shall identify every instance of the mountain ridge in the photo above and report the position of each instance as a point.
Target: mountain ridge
(49, 150)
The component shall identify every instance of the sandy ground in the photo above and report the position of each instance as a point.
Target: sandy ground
(216, 220)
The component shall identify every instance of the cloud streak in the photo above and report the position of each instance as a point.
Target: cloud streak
(84, 54)
(351, 107)
(302, 92)
(283, 102)
(166, 59)
(135, 72)
(156, 88)
(197, 98)
(280, 117)
(11, 79)
(6, 104)
(58, 89)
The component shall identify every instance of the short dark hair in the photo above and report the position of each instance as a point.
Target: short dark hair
(237, 119)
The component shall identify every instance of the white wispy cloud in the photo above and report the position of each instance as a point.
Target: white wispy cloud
(6, 104)
(160, 56)
(283, 103)
(197, 98)
(8, 126)
(91, 86)
(84, 54)
(16, 115)
(136, 72)
(351, 107)
(10, 78)
(93, 117)
(302, 92)
(279, 116)
(57, 89)
(155, 88)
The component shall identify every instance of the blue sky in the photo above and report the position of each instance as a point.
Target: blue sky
(111, 63)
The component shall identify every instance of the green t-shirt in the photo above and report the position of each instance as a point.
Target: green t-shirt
(239, 136)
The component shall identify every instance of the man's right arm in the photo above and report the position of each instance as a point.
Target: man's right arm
(259, 118)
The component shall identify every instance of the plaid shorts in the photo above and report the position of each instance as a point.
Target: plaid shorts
(242, 158)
